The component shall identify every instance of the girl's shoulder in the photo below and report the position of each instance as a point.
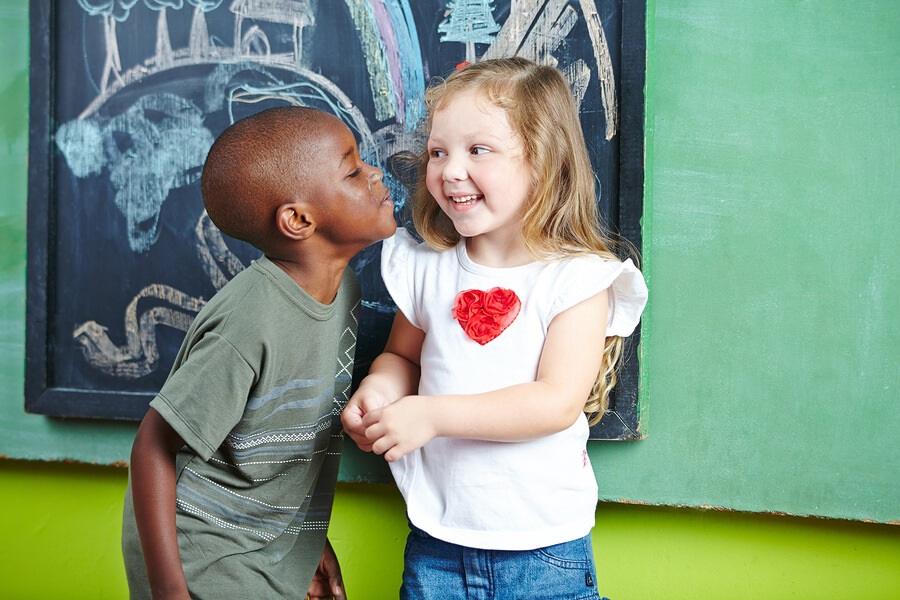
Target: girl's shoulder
(582, 276)
(403, 247)
(589, 265)
(402, 239)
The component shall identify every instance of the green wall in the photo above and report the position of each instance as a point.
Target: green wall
(770, 351)
(769, 367)
(65, 520)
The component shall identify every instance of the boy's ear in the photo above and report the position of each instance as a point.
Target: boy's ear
(295, 220)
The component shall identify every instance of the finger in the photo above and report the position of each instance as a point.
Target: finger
(394, 454)
(361, 441)
(370, 403)
(357, 433)
(351, 416)
(375, 432)
(382, 445)
(353, 425)
(372, 417)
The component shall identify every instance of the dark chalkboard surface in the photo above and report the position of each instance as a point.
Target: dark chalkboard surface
(127, 97)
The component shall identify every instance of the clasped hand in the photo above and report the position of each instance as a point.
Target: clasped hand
(393, 429)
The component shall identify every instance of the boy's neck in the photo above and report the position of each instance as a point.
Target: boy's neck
(321, 278)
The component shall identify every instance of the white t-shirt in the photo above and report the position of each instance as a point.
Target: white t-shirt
(499, 495)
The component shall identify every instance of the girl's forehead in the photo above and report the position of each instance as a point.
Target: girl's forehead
(470, 110)
(467, 99)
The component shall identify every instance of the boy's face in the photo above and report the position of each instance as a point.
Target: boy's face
(356, 209)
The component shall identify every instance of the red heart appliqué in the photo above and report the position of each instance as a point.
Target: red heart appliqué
(485, 315)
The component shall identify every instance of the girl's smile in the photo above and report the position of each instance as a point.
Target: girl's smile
(465, 200)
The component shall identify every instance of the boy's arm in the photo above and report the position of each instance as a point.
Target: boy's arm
(570, 360)
(153, 490)
(327, 582)
(393, 374)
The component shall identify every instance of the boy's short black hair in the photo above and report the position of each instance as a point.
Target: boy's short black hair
(256, 165)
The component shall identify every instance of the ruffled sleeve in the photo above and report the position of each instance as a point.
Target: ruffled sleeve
(588, 276)
(397, 271)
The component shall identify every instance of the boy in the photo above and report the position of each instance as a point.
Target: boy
(234, 466)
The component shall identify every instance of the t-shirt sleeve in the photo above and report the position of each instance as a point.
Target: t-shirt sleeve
(206, 396)
(397, 270)
(588, 276)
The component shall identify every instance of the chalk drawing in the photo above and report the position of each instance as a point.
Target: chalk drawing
(219, 263)
(154, 141)
(469, 22)
(111, 12)
(604, 64)
(296, 14)
(375, 51)
(139, 355)
(158, 144)
(537, 28)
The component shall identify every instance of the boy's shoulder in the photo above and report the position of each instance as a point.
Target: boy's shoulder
(236, 290)
(263, 291)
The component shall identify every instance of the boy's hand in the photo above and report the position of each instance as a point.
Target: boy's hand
(327, 583)
(403, 426)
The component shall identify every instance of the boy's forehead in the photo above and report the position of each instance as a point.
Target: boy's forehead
(329, 124)
(335, 142)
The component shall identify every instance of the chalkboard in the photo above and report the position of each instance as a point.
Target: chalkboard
(127, 97)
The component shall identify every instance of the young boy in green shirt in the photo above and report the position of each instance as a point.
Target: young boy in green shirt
(233, 468)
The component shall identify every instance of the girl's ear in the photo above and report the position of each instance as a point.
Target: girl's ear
(295, 220)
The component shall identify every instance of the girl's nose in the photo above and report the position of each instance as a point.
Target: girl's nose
(454, 169)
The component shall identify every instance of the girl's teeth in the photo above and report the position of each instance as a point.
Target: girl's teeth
(464, 199)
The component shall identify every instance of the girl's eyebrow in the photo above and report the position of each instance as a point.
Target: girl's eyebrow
(474, 137)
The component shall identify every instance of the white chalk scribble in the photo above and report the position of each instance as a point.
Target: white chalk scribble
(145, 140)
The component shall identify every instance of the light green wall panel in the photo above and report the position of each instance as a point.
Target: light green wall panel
(772, 247)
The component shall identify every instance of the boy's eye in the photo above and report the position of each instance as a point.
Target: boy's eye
(355, 172)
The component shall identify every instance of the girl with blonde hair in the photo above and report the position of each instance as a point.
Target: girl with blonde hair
(504, 347)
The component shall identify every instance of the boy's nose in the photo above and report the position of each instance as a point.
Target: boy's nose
(376, 175)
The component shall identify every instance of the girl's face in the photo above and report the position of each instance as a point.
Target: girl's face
(477, 171)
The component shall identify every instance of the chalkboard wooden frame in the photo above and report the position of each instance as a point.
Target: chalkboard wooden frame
(45, 395)
(41, 396)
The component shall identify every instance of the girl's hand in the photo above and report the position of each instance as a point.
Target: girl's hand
(398, 429)
(393, 375)
(361, 403)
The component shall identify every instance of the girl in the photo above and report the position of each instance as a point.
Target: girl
(478, 401)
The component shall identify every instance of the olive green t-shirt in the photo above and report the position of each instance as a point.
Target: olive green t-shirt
(256, 393)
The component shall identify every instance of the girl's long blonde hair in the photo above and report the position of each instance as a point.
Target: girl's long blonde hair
(562, 218)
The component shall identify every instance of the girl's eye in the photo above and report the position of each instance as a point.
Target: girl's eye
(435, 153)
(478, 150)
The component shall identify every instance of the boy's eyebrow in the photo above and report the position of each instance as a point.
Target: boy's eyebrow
(345, 155)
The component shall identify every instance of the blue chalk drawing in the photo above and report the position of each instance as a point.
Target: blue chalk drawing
(145, 143)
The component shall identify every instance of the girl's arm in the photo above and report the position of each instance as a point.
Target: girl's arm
(153, 490)
(569, 363)
(394, 374)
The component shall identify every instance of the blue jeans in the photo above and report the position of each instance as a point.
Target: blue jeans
(436, 570)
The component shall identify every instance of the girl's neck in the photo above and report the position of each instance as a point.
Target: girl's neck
(489, 251)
